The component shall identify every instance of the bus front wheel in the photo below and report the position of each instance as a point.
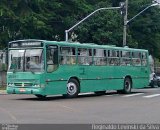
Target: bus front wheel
(40, 96)
(72, 88)
(127, 86)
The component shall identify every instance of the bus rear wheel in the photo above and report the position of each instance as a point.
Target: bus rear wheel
(127, 86)
(99, 93)
(72, 88)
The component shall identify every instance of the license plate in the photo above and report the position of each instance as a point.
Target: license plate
(22, 90)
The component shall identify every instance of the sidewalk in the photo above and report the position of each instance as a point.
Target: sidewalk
(3, 92)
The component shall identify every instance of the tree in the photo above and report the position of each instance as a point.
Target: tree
(145, 29)
(43, 19)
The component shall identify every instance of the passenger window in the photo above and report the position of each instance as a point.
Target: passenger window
(113, 58)
(83, 56)
(126, 58)
(99, 57)
(144, 59)
(136, 58)
(68, 55)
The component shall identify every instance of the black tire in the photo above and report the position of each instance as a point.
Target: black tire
(152, 84)
(73, 88)
(40, 96)
(127, 86)
(100, 92)
(119, 91)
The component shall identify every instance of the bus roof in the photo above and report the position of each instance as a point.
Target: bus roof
(77, 44)
(29, 40)
(91, 45)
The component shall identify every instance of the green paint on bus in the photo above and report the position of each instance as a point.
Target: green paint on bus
(44, 68)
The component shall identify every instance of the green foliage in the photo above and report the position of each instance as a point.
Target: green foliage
(145, 29)
(43, 19)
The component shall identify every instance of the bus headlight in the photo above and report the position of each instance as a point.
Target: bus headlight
(37, 85)
(10, 84)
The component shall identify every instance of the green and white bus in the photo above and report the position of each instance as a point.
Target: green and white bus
(44, 68)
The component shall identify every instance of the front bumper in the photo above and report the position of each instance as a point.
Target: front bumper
(13, 90)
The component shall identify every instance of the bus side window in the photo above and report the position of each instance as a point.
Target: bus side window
(136, 58)
(72, 56)
(52, 58)
(99, 57)
(68, 55)
(126, 58)
(113, 58)
(144, 59)
(83, 56)
(64, 53)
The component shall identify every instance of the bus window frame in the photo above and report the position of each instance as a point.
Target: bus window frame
(46, 64)
(26, 48)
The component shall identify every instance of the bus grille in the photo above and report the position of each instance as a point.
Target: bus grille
(23, 84)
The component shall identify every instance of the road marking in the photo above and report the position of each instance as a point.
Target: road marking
(9, 113)
(151, 89)
(131, 95)
(151, 96)
(109, 95)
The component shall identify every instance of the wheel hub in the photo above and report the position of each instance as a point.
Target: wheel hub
(127, 85)
(71, 88)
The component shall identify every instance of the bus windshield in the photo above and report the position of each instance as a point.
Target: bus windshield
(26, 60)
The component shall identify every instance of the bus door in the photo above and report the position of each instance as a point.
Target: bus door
(145, 68)
(141, 72)
(53, 84)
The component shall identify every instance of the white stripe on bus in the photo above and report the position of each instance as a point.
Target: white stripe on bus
(86, 93)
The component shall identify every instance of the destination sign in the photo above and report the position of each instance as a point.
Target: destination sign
(25, 44)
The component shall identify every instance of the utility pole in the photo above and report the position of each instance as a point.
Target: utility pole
(125, 23)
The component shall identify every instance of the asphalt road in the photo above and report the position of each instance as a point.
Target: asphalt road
(141, 106)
